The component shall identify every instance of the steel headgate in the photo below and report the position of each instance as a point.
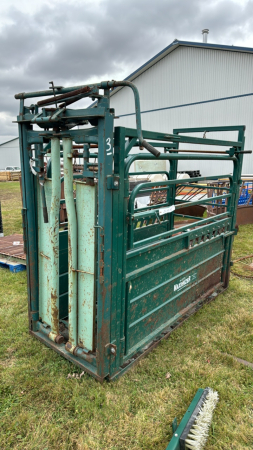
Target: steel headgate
(108, 279)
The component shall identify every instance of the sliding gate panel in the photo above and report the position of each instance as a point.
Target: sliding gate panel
(86, 208)
(44, 262)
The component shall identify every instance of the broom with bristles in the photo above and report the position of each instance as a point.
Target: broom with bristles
(192, 433)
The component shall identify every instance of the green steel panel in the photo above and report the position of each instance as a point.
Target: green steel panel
(45, 263)
(145, 232)
(86, 208)
(153, 300)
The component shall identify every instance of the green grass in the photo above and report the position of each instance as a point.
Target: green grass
(43, 410)
(11, 205)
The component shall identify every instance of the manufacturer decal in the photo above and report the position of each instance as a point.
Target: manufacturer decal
(185, 281)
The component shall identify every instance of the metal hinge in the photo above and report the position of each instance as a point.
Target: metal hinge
(112, 182)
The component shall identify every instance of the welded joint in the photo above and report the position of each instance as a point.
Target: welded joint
(44, 256)
(82, 271)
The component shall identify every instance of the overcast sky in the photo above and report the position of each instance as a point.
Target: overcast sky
(78, 41)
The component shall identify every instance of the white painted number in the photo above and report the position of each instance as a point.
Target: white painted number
(108, 150)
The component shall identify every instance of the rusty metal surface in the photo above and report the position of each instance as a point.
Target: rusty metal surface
(60, 97)
(191, 309)
(244, 215)
(8, 249)
(192, 210)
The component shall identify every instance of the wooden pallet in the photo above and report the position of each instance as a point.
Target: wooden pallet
(12, 246)
(12, 265)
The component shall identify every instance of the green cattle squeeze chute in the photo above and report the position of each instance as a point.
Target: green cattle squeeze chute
(112, 279)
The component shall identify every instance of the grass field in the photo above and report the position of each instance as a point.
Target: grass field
(41, 409)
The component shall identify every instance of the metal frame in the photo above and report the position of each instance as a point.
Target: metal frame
(125, 253)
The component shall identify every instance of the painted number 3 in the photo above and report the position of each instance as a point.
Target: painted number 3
(109, 147)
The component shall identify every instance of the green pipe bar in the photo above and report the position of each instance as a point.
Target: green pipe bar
(156, 186)
(72, 236)
(160, 172)
(203, 186)
(172, 157)
(206, 201)
(186, 216)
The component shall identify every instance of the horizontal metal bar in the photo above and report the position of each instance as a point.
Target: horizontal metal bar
(151, 207)
(158, 144)
(168, 234)
(169, 156)
(158, 188)
(149, 173)
(213, 152)
(201, 202)
(147, 247)
(203, 186)
(209, 129)
(187, 216)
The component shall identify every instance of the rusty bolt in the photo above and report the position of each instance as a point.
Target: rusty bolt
(59, 339)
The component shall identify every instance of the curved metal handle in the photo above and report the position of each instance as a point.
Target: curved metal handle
(143, 143)
(150, 148)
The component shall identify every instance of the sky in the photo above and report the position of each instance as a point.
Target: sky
(75, 42)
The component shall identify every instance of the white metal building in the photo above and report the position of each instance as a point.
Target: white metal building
(193, 84)
(9, 153)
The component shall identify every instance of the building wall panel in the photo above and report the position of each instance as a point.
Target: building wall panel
(9, 154)
(189, 75)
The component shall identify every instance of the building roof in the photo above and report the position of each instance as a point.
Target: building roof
(173, 46)
(6, 142)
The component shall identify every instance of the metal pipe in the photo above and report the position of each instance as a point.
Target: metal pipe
(171, 156)
(214, 152)
(72, 240)
(143, 143)
(205, 33)
(54, 238)
(85, 90)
